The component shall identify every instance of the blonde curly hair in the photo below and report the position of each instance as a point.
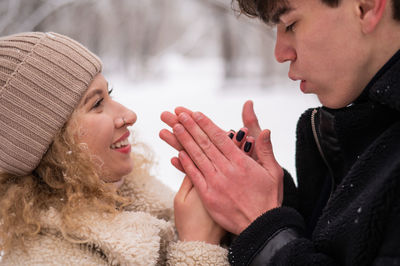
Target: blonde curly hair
(67, 179)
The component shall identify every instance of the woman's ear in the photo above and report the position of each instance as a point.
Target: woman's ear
(370, 13)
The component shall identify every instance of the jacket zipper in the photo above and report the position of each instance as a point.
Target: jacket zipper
(316, 138)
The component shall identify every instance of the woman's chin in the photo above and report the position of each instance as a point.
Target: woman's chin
(116, 184)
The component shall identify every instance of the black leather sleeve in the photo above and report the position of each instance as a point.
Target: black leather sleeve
(276, 238)
(265, 236)
(273, 245)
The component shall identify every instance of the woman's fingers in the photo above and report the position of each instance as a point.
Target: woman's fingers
(231, 134)
(240, 137)
(248, 145)
(184, 190)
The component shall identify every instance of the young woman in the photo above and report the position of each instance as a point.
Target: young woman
(71, 190)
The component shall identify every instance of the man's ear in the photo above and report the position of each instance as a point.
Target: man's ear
(370, 13)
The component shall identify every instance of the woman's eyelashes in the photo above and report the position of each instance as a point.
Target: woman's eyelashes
(97, 103)
(100, 101)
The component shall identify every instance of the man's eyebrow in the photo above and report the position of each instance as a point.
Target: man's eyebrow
(92, 94)
(276, 16)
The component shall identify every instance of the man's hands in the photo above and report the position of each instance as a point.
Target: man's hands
(192, 220)
(234, 188)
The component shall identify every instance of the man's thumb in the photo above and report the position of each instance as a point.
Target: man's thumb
(263, 148)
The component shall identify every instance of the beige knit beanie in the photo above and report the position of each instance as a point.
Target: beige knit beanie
(42, 78)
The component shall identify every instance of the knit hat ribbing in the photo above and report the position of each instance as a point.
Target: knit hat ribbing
(42, 79)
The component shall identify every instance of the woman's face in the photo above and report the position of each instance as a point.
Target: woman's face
(102, 124)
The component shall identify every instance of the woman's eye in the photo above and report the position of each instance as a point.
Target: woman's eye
(290, 27)
(97, 103)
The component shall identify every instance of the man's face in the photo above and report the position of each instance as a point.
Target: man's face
(326, 50)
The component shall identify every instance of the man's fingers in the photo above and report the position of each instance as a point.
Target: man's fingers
(195, 152)
(170, 138)
(217, 136)
(193, 173)
(169, 118)
(177, 164)
(180, 109)
(250, 119)
(202, 140)
(264, 148)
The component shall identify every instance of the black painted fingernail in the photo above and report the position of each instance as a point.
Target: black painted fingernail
(240, 135)
(247, 146)
(232, 130)
(231, 135)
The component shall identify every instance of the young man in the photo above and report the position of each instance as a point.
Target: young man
(346, 208)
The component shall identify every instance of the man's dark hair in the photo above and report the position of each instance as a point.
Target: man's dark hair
(270, 10)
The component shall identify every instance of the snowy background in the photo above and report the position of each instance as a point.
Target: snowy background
(159, 54)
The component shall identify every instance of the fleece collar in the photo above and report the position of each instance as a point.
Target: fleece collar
(128, 238)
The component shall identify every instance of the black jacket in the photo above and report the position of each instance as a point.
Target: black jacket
(346, 208)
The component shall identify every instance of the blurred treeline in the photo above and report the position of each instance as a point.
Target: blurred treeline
(132, 36)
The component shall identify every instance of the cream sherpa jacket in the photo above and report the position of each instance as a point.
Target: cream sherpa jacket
(143, 234)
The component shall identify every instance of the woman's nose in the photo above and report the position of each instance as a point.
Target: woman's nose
(126, 118)
(130, 117)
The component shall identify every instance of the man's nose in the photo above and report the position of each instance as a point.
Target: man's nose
(284, 51)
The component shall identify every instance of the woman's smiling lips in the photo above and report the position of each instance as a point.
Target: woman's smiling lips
(122, 144)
